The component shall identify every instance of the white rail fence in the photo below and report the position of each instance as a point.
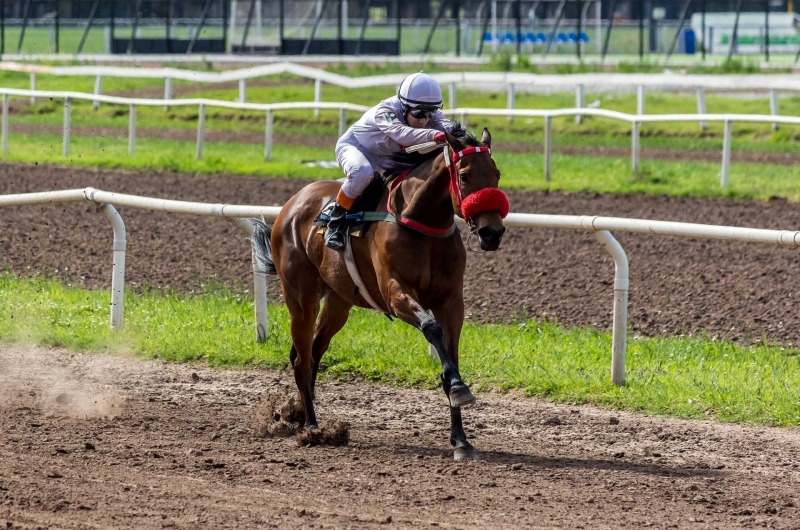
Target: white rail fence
(512, 81)
(201, 104)
(601, 227)
(635, 120)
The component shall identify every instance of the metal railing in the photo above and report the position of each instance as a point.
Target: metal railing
(512, 81)
(601, 227)
(635, 120)
(201, 104)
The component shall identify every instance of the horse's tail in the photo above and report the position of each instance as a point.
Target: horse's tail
(260, 240)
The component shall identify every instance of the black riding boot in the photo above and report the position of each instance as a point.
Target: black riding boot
(334, 235)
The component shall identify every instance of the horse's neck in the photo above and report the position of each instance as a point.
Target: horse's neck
(426, 195)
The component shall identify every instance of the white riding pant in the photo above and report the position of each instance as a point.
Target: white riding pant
(357, 166)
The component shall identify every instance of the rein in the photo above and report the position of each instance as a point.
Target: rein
(456, 194)
(410, 223)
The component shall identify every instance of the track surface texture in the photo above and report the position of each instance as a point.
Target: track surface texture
(734, 290)
(102, 441)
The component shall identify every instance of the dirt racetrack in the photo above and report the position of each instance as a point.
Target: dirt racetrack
(104, 441)
(740, 291)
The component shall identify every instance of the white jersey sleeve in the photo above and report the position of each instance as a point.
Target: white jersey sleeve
(387, 121)
(440, 122)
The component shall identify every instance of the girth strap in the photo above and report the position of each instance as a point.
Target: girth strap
(352, 268)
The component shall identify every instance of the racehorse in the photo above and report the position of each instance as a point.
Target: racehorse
(413, 268)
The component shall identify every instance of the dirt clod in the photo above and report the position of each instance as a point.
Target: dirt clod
(336, 434)
(292, 411)
(269, 422)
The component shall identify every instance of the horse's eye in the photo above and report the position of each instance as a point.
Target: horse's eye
(463, 176)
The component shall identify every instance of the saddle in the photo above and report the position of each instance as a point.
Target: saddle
(363, 213)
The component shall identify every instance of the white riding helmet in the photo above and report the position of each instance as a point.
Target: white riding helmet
(420, 91)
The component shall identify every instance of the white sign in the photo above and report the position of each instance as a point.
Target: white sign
(751, 34)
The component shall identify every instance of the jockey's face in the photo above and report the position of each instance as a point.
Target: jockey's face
(418, 123)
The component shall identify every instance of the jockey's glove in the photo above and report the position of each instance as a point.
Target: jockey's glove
(439, 138)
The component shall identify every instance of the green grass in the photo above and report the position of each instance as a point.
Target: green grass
(165, 155)
(520, 170)
(594, 131)
(691, 377)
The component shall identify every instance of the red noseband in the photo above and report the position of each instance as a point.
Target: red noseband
(485, 200)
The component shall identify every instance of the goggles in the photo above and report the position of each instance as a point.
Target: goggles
(421, 114)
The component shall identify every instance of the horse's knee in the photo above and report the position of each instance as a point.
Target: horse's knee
(431, 329)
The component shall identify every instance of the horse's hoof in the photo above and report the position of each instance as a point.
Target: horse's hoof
(313, 427)
(465, 453)
(461, 397)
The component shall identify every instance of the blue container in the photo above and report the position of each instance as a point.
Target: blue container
(688, 42)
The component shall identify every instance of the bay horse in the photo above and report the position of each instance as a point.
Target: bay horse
(413, 268)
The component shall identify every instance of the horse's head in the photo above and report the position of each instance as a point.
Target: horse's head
(473, 186)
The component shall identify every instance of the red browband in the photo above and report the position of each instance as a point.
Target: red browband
(487, 199)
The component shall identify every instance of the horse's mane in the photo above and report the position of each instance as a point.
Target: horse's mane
(402, 161)
(464, 135)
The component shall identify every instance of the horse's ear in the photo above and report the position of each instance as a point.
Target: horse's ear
(486, 138)
(454, 142)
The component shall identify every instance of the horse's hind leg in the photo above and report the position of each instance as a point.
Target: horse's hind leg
(332, 318)
(303, 308)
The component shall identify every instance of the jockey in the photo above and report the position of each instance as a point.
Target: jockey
(410, 118)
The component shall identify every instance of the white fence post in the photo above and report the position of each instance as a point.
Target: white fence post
(317, 95)
(635, 146)
(259, 286)
(453, 98)
(5, 123)
(201, 130)
(118, 271)
(167, 90)
(132, 130)
(773, 106)
(67, 112)
(242, 91)
(548, 145)
(98, 87)
(511, 100)
(701, 105)
(726, 153)
(33, 87)
(268, 136)
(342, 121)
(619, 334)
(640, 100)
(579, 103)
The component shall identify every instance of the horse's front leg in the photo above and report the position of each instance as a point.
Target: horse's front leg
(451, 318)
(405, 307)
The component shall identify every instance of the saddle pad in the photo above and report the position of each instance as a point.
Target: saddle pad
(367, 202)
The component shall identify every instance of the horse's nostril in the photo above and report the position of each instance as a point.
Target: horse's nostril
(491, 234)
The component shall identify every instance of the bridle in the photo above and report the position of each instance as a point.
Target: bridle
(463, 206)
(456, 192)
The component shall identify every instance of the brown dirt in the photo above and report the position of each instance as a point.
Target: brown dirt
(190, 135)
(733, 290)
(177, 450)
